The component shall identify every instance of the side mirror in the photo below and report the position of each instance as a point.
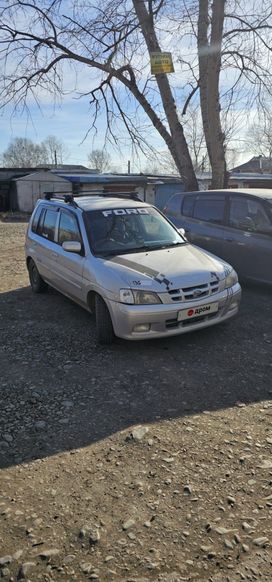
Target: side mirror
(182, 232)
(71, 246)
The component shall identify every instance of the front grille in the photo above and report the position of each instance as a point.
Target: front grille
(194, 293)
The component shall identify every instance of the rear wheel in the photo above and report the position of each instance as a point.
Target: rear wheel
(104, 328)
(37, 283)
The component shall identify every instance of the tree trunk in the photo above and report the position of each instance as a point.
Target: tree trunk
(209, 58)
(178, 146)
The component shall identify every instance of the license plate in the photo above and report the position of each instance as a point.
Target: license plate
(197, 311)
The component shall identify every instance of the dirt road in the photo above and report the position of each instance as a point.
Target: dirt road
(136, 462)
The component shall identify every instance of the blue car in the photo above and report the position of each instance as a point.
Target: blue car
(235, 225)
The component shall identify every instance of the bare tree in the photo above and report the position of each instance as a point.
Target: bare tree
(100, 160)
(228, 61)
(23, 153)
(230, 72)
(38, 37)
(56, 150)
(259, 138)
(209, 58)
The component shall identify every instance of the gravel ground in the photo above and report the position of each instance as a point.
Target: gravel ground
(136, 462)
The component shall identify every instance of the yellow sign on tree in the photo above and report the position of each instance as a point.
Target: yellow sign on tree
(161, 63)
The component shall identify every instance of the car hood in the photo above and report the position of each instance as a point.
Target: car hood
(184, 265)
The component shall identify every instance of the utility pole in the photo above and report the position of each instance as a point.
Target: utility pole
(128, 170)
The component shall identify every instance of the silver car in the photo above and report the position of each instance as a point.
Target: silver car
(121, 259)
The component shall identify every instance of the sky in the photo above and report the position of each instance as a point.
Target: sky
(70, 120)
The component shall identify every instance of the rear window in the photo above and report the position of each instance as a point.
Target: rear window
(210, 209)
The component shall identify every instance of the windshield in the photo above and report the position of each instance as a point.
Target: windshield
(126, 230)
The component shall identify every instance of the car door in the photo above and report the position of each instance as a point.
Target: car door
(44, 244)
(69, 264)
(248, 237)
(205, 220)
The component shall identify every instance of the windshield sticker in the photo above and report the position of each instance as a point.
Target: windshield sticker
(122, 211)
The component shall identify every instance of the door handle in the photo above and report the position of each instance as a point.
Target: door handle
(55, 255)
(229, 239)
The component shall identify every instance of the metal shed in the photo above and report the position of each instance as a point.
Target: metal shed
(33, 186)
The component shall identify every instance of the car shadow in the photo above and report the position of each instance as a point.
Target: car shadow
(60, 390)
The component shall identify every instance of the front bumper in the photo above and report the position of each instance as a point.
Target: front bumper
(162, 319)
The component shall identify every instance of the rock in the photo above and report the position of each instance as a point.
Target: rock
(187, 490)
(245, 548)
(206, 549)
(138, 433)
(246, 527)
(24, 569)
(17, 554)
(128, 523)
(5, 560)
(131, 536)
(221, 530)
(261, 542)
(266, 464)
(47, 554)
(86, 567)
(228, 544)
(94, 536)
(68, 559)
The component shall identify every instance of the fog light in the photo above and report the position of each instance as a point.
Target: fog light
(142, 327)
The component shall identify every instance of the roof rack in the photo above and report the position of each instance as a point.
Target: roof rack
(70, 198)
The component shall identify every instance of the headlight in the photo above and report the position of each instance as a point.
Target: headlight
(142, 297)
(138, 297)
(231, 279)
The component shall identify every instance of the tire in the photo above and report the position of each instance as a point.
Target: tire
(37, 283)
(104, 328)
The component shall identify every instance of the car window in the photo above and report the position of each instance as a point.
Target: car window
(248, 214)
(68, 228)
(47, 224)
(188, 205)
(210, 209)
(123, 230)
(35, 219)
(174, 203)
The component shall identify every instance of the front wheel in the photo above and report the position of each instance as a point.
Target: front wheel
(37, 283)
(104, 328)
